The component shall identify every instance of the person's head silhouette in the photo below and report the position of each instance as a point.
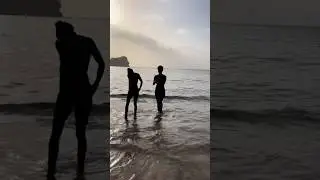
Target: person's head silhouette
(160, 69)
(64, 30)
(130, 72)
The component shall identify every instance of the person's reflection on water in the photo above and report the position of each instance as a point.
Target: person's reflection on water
(157, 128)
(157, 124)
(131, 133)
(158, 118)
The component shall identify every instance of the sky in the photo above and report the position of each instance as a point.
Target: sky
(273, 12)
(173, 33)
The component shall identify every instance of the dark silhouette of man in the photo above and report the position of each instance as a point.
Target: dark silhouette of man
(75, 91)
(160, 79)
(133, 91)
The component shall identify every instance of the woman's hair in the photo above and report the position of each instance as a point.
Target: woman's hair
(64, 27)
(160, 68)
(130, 70)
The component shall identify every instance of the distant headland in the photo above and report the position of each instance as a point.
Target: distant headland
(119, 61)
(49, 8)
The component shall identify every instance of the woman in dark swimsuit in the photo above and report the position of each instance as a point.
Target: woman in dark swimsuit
(160, 92)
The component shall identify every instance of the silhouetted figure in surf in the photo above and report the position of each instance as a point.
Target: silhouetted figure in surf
(160, 92)
(75, 91)
(133, 91)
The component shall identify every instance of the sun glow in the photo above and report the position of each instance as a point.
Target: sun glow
(115, 15)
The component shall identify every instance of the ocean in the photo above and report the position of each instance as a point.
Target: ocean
(28, 90)
(265, 102)
(177, 147)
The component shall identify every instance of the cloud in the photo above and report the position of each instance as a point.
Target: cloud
(152, 32)
(181, 31)
(155, 18)
(164, 1)
(142, 50)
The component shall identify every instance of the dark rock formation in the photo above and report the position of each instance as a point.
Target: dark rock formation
(119, 61)
(49, 8)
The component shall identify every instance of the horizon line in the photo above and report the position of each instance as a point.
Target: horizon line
(176, 68)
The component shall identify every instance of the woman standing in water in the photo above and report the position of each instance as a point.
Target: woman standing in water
(160, 93)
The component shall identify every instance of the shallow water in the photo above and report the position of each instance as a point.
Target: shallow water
(173, 146)
(248, 151)
(24, 142)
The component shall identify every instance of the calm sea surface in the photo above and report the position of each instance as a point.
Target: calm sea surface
(265, 102)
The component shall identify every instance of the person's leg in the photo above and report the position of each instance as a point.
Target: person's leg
(82, 148)
(129, 96)
(135, 104)
(82, 112)
(61, 112)
(163, 94)
(160, 104)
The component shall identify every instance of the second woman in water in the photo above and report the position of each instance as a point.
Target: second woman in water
(160, 92)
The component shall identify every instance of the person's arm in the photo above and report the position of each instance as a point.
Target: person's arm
(165, 79)
(141, 82)
(58, 48)
(154, 80)
(101, 65)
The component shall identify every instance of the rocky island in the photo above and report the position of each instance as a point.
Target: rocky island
(119, 61)
(49, 8)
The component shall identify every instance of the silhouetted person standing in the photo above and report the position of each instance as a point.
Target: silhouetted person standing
(133, 91)
(75, 91)
(160, 92)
